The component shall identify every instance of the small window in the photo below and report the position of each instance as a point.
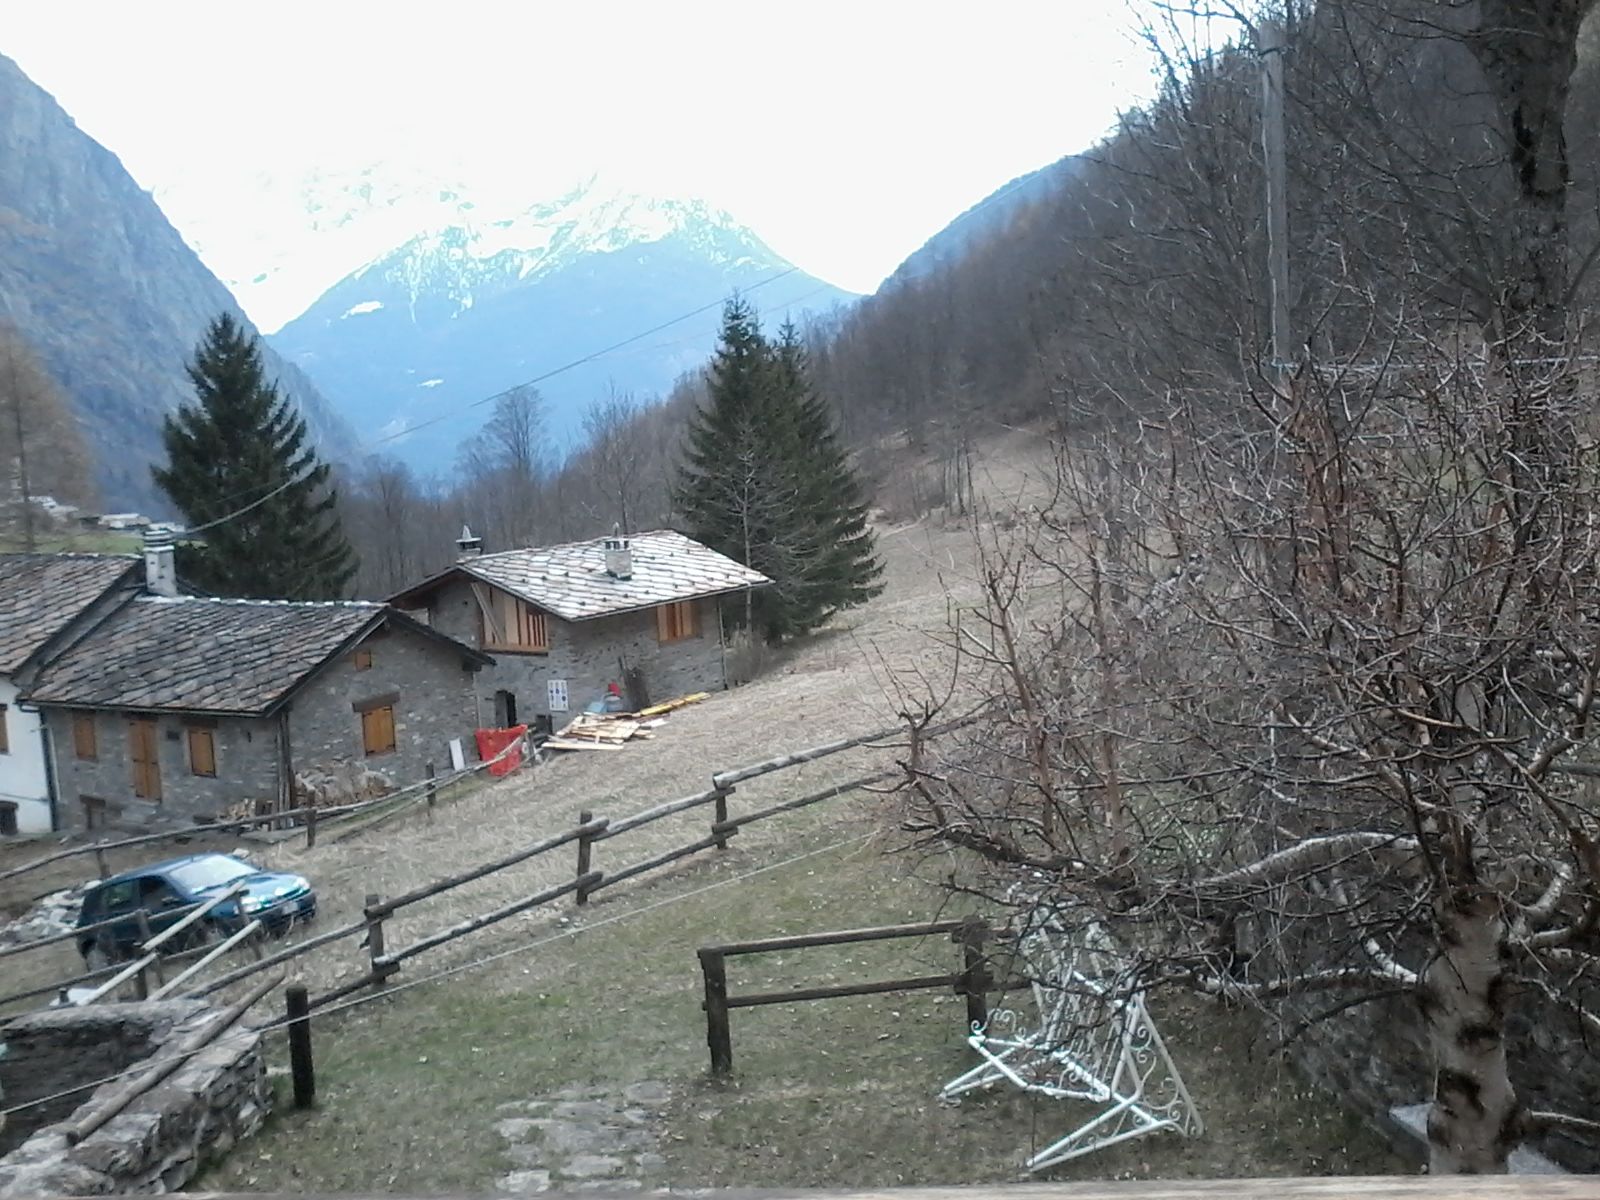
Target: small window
(5, 738)
(675, 622)
(94, 812)
(83, 740)
(377, 731)
(361, 660)
(202, 752)
(8, 819)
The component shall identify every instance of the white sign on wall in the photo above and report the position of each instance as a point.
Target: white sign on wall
(558, 695)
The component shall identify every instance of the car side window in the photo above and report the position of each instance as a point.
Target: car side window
(155, 892)
(118, 898)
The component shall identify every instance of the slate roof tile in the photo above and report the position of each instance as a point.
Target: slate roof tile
(41, 594)
(570, 580)
(194, 654)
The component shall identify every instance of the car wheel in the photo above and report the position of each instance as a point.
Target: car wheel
(95, 957)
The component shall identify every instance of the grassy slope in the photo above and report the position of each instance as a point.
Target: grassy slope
(840, 1092)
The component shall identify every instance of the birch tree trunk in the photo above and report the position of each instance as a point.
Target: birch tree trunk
(1476, 1119)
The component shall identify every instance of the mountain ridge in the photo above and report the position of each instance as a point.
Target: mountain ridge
(468, 308)
(108, 293)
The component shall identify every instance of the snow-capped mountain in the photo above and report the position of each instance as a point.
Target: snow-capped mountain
(495, 296)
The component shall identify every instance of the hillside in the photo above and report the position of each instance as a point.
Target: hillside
(496, 297)
(102, 286)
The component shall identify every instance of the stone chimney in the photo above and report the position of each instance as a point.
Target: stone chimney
(469, 545)
(160, 565)
(619, 555)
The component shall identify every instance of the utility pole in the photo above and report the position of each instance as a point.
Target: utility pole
(1270, 50)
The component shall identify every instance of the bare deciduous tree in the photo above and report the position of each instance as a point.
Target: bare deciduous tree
(42, 449)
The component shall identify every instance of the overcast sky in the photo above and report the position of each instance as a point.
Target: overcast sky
(845, 132)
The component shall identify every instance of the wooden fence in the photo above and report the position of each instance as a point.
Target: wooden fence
(584, 839)
(972, 980)
(311, 817)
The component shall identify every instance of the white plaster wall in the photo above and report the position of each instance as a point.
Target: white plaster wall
(22, 771)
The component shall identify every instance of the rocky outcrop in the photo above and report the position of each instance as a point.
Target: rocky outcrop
(106, 291)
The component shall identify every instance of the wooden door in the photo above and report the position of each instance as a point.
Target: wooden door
(143, 750)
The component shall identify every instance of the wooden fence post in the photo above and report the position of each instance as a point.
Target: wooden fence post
(433, 793)
(300, 1065)
(380, 971)
(311, 823)
(718, 1035)
(720, 816)
(975, 978)
(143, 918)
(100, 862)
(585, 854)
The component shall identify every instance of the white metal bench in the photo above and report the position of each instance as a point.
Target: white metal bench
(1083, 1040)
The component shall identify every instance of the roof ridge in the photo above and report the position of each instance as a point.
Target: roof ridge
(564, 545)
(245, 602)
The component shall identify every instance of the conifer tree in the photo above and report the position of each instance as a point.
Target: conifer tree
(242, 444)
(764, 481)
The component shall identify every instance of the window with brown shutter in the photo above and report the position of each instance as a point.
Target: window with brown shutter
(144, 751)
(83, 739)
(377, 731)
(507, 623)
(361, 660)
(676, 622)
(202, 752)
(5, 735)
(94, 812)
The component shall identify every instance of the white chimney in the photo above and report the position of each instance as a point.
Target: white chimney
(160, 566)
(619, 555)
(468, 545)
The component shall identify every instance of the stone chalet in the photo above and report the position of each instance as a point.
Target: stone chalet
(563, 622)
(47, 601)
(181, 709)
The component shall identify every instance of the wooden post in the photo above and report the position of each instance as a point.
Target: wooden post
(380, 971)
(100, 862)
(718, 1035)
(433, 792)
(721, 816)
(975, 979)
(311, 823)
(143, 917)
(300, 1065)
(585, 854)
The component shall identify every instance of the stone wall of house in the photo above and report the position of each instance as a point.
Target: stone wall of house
(246, 761)
(587, 655)
(428, 685)
(162, 1138)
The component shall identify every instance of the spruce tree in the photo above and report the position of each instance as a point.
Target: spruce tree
(764, 481)
(846, 571)
(240, 445)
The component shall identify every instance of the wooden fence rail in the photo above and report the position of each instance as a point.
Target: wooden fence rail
(972, 981)
(586, 881)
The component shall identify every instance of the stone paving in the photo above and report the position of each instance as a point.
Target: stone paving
(583, 1139)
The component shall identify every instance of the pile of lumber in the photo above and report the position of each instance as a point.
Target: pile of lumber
(610, 731)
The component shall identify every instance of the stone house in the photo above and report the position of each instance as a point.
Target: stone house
(181, 709)
(47, 601)
(564, 622)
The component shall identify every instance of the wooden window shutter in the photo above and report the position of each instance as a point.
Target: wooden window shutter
(144, 748)
(361, 660)
(377, 730)
(83, 737)
(202, 752)
(675, 622)
(5, 734)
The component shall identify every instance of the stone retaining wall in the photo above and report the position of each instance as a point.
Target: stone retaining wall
(159, 1141)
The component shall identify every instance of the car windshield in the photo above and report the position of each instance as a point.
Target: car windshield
(208, 873)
